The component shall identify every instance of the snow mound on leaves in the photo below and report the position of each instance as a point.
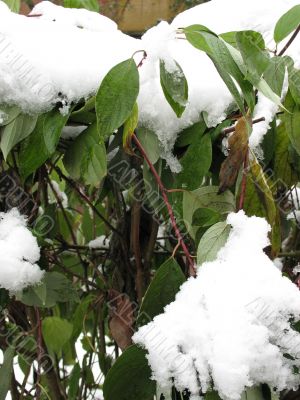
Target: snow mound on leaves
(230, 328)
(19, 252)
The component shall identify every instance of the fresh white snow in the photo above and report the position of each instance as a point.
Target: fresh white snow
(64, 54)
(235, 322)
(19, 253)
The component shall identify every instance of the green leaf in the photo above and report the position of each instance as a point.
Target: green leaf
(91, 5)
(190, 134)
(283, 169)
(212, 396)
(129, 127)
(174, 86)
(117, 96)
(206, 197)
(8, 114)
(287, 24)
(212, 241)
(14, 5)
(195, 163)
(162, 291)
(6, 372)
(292, 122)
(53, 289)
(150, 143)
(74, 382)
(254, 393)
(204, 217)
(132, 366)
(203, 39)
(56, 333)
(86, 157)
(252, 47)
(17, 130)
(42, 142)
(274, 74)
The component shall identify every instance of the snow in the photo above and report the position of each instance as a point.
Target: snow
(101, 242)
(19, 253)
(62, 56)
(235, 322)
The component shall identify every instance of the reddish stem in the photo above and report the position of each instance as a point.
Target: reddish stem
(192, 269)
(244, 181)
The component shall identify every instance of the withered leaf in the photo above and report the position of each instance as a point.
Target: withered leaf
(237, 147)
(121, 312)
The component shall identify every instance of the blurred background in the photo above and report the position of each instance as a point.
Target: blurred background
(132, 16)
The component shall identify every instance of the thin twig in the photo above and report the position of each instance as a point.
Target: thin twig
(232, 128)
(192, 269)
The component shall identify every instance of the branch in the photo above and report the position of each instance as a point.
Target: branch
(293, 37)
(192, 269)
(232, 128)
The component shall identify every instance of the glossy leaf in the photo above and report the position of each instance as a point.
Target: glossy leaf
(175, 87)
(162, 291)
(287, 24)
(195, 163)
(42, 142)
(86, 157)
(117, 96)
(212, 241)
(17, 130)
(132, 366)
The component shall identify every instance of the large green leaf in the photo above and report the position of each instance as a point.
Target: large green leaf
(17, 130)
(252, 47)
(53, 289)
(6, 372)
(175, 87)
(42, 142)
(86, 157)
(116, 96)
(162, 291)
(206, 197)
(212, 241)
(56, 333)
(287, 24)
(203, 39)
(195, 163)
(274, 74)
(129, 378)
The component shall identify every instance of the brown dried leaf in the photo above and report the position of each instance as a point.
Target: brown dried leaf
(238, 147)
(121, 311)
